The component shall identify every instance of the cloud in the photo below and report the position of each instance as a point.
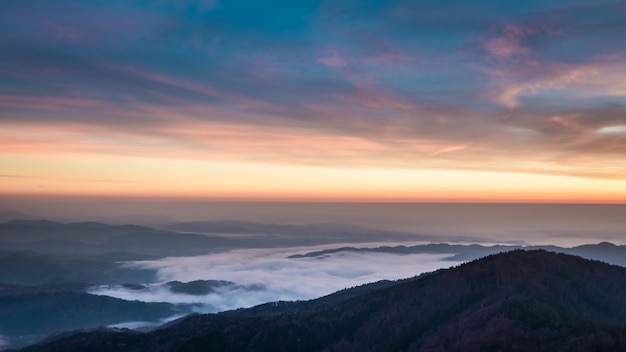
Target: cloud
(612, 129)
(505, 47)
(509, 43)
(576, 81)
(394, 84)
(333, 60)
(265, 275)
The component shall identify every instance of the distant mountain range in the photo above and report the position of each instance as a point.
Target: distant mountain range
(96, 238)
(33, 268)
(309, 234)
(514, 301)
(184, 239)
(606, 252)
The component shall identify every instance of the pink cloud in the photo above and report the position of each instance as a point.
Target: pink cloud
(583, 80)
(509, 42)
(333, 61)
(158, 78)
(505, 47)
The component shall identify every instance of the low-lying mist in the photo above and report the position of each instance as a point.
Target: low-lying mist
(265, 275)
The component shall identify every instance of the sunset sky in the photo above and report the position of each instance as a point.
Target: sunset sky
(506, 101)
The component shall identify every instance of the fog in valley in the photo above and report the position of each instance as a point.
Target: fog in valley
(266, 275)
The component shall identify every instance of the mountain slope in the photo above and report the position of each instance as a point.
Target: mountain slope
(32, 268)
(514, 301)
(28, 312)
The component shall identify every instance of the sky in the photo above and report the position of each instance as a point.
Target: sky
(494, 101)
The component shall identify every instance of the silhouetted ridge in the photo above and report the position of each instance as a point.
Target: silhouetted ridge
(33, 222)
(513, 301)
(97, 238)
(604, 251)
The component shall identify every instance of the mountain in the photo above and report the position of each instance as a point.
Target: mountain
(280, 234)
(27, 312)
(514, 301)
(604, 251)
(97, 238)
(7, 215)
(198, 287)
(31, 268)
(183, 239)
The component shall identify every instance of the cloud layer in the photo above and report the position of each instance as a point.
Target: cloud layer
(264, 275)
(525, 88)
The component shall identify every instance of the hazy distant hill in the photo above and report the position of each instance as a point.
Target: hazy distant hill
(307, 234)
(514, 301)
(184, 239)
(32, 268)
(606, 252)
(92, 237)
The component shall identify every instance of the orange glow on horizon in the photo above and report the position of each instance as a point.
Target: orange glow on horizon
(246, 181)
(228, 161)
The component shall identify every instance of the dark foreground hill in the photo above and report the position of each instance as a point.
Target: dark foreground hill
(514, 301)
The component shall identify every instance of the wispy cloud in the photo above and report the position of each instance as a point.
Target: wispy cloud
(573, 82)
(510, 42)
(501, 87)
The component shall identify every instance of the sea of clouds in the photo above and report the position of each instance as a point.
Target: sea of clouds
(267, 275)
